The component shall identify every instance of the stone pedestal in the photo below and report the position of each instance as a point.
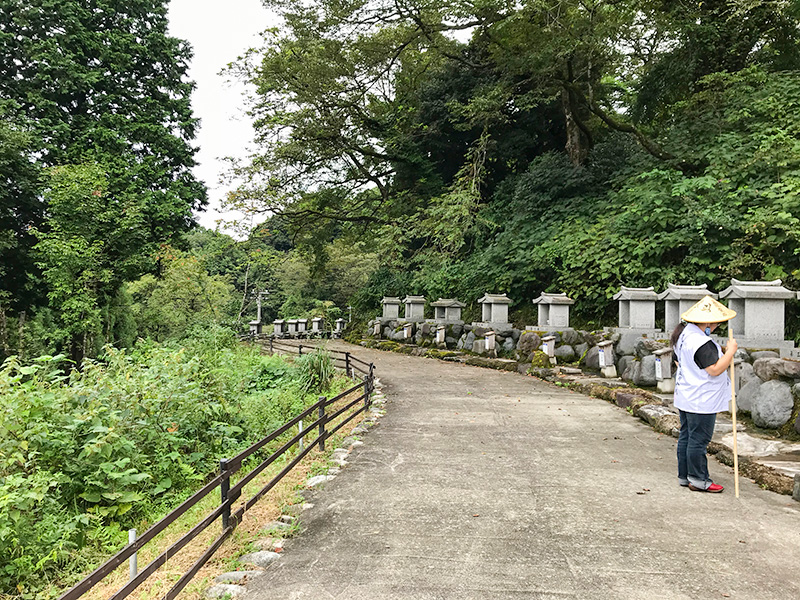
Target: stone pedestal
(678, 299)
(255, 327)
(447, 310)
(391, 308)
(553, 310)
(605, 358)
(637, 308)
(665, 380)
(759, 306)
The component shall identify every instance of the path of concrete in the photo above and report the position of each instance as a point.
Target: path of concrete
(480, 484)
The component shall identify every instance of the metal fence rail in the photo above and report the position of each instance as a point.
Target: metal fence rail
(228, 467)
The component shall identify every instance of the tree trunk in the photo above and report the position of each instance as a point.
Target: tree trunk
(576, 146)
(4, 332)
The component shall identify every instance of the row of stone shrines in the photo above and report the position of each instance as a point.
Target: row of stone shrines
(760, 308)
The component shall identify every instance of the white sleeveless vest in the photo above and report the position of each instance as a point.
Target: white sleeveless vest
(695, 390)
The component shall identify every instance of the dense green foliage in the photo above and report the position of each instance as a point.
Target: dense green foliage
(87, 454)
(545, 145)
(96, 167)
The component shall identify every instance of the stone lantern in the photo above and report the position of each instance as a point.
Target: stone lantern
(415, 308)
(494, 311)
(553, 310)
(447, 310)
(759, 307)
(391, 308)
(637, 308)
(678, 299)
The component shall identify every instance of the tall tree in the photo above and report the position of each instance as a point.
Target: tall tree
(101, 83)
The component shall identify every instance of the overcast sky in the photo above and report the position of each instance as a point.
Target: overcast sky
(219, 33)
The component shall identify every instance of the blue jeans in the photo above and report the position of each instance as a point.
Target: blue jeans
(696, 432)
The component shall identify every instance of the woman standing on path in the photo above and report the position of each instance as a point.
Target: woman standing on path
(702, 388)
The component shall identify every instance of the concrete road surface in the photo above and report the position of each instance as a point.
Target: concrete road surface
(479, 484)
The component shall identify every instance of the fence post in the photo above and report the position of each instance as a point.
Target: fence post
(347, 364)
(133, 567)
(271, 351)
(224, 488)
(300, 349)
(322, 400)
(371, 380)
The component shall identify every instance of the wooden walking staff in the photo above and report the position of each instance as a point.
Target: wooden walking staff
(733, 416)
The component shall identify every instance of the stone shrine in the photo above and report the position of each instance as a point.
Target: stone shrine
(391, 308)
(447, 310)
(759, 307)
(553, 310)
(678, 299)
(415, 308)
(637, 308)
(494, 311)
(278, 327)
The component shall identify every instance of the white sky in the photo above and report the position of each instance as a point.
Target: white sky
(219, 32)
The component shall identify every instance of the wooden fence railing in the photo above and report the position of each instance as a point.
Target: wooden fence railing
(329, 420)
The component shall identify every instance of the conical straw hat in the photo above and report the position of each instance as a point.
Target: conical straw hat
(708, 310)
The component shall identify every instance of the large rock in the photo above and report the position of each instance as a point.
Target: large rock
(469, 341)
(773, 406)
(508, 345)
(768, 369)
(592, 358)
(480, 331)
(626, 345)
(741, 356)
(646, 346)
(744, 374)
(747, 394)
(571, 337)
(632, 371)
(754, 356)
(528, 343)
(624, 363)
(645, 376)
(565, 353)
(659, 417)
(455, 330)
(581, 349)
(259, 559)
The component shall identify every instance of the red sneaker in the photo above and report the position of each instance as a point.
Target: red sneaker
(714, 488)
